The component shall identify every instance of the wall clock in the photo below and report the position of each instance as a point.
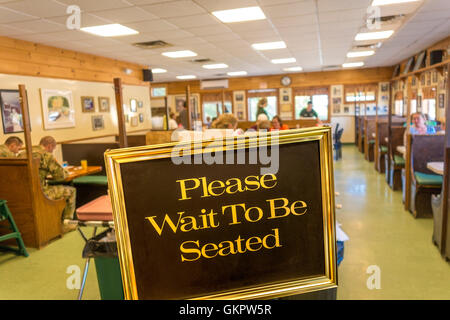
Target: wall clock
(285, 81)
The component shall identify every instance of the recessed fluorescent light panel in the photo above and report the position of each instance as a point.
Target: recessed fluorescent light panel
(285, 60)
(186, 77)
(179, 54)
(240, 15)
(269, 45)
(215, 66)
(376, 3)
(353, 64)
(110, 30)
(374, 35)
(355, 54)
(293, 69)
(237, 73)
(159, 70)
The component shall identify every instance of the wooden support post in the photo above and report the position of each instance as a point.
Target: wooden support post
(120, 115)
(166, 107)
(223, 101)
(26, 123)
(408, 165)
(390, 151)
(189, 107)
(445, 233)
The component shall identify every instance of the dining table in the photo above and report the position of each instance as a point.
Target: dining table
(76, 172)
(436, 166)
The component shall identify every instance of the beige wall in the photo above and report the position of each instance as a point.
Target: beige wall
(83, 122)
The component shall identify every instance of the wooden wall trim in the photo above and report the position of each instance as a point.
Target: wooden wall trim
(306, 79)
(26, 58)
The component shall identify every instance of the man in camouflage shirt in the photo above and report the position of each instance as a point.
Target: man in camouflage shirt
(11, 147)
(50, 167)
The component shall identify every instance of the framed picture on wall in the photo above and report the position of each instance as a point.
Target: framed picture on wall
(140, 104)
(422, 79)
(133, 105)
(434, 78)
(57, 109)
(11, 111)
(98, 123)
(141, 117)
(441, 102)
(103, 104)
(87, 104)
(134, 121)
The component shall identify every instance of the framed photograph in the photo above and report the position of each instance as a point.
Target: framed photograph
(103, 104)
(140, 104)
(134, 121)
(57, 109)
(179, 103)
(98, 123)
(385, 87)
(336, 90)
(422, 79)
(239, 97)
(441, 102)
(87, 104)
(346, 109)
(133, 105)
(11, 111)
(413, 81)
(434, 78)
(428, 78)
(141, 117)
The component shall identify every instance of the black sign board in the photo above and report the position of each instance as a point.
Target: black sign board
(248, 217)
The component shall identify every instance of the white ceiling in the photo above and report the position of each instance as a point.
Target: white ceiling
(318, 33)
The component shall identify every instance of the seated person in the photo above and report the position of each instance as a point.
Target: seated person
(227, 121)
(264, 125)
(49, 166)
(277, 124)
(172, 121)
(11, 147)
(419, 126)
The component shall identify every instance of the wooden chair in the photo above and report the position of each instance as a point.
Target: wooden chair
(38, 218)
(381, 145)
(424, 183)
(5, 215)
(397, 163)
(369, 139)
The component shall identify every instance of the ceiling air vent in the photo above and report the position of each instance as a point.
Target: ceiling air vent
(331, 67)
(203, 60)
(388, 19)
(152, 44)
(368, 46)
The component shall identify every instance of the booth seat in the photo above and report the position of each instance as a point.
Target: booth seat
(394, 163)
(424, 183)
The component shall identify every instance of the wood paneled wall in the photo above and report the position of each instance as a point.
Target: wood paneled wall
(32, 59)
(309, 79)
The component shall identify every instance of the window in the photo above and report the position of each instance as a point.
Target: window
(398, 107)
(413, 106)
(429, 108)
(319, 101)
(212, 104)
(271, 108)
(213, 109)
(159, 92)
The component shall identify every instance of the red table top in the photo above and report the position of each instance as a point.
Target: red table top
(99, 209)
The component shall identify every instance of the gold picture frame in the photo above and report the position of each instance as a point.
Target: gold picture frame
(114, 159)
(87, 104)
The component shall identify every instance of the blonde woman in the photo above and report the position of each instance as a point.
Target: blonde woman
(227, 121)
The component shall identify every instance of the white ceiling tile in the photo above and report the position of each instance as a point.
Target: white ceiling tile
(152, 26)
(211, 30)
(294, 21)
(39, 26)
(125, 15)
(174, 9)
(87, 20)
(291, 9)
(199, 20)
(342, 16)
(216, 5)
(333, 5)
(8, 16)
(96, 5)
(45, 9)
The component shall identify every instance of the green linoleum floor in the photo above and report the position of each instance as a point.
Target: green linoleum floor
(381, 233)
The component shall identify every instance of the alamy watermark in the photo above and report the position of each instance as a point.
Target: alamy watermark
(228, 150)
